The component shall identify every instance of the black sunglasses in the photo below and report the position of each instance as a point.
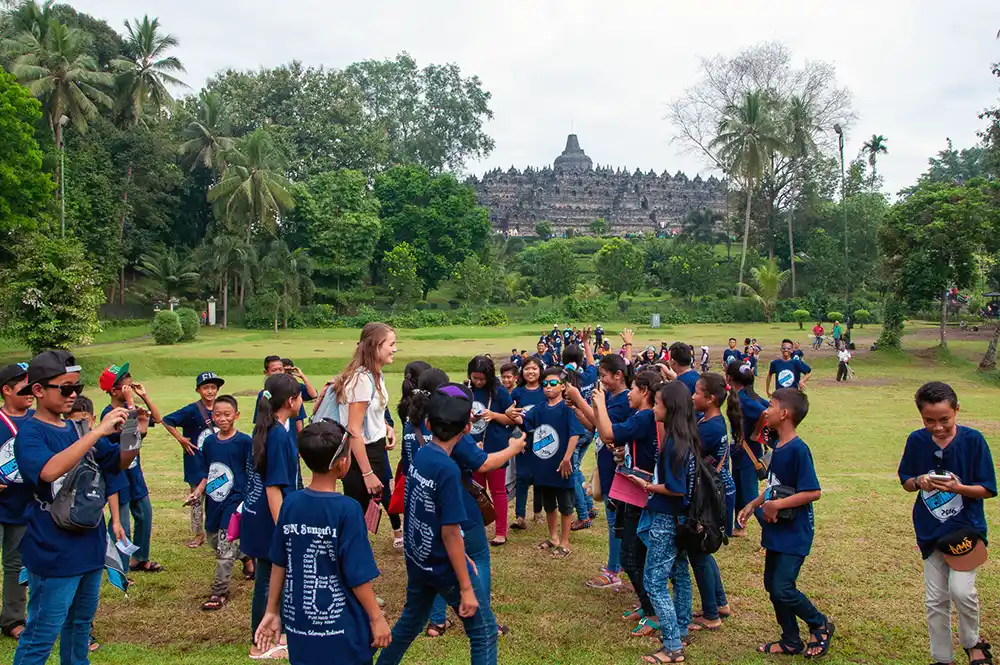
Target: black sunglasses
(66, 389)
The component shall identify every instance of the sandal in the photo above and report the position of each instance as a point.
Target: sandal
(722, 615)
(397, 543)
(634, 614)
(498, 543)
(196, 542)
(502, 630)
(985, 647)
(249, 570)
(546, 545)
(93, 645)
(559, 553)
(701, 623)
(786, 650)
(519, 524)
(214, 603)
(825, 634)
(9, 631)
(435, 630)
(146, 567)
(646, 628)
(272, 653)
(662, 656)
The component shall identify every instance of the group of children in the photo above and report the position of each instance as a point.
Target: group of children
(307, 548)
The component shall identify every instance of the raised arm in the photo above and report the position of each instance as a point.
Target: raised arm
(63, 461)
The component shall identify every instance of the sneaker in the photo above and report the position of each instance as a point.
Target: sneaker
(539, 518)
(606, 580)
(519, 524)
(580, 525)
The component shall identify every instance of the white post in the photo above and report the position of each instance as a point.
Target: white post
(211, 311)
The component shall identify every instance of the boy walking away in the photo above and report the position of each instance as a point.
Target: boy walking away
(320, 550)
(134, 505)
(195, 422)
(15, 495)
(435, 552)
(787, 528)
(951, 469)
(223, 461)
(65, 542)
(791, 372)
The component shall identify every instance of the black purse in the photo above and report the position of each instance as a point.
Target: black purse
(782, 492)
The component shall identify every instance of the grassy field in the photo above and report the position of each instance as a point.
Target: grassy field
(865, 570)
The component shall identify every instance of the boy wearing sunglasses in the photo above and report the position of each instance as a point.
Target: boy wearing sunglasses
(64, 567)
(557, 431)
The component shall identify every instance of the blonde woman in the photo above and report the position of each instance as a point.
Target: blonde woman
(362, 399)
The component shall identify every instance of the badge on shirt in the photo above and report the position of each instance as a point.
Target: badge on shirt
(546, 442)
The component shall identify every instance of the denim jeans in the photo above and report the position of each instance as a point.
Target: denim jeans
(15, 596)
(258, 604)
(747, 488)
(709, 579)
(478, 550)
(521, 497)
(663, 563)
(62, 607)
(633, 552)
(142, 526)
(780, 574)
(730, 514)
(614, 543)
(584, 503)
(481, 628)
(126, 520)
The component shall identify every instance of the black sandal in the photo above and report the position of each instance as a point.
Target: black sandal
(825, 635)
(785, 649)
(9, 630)
(987, 656)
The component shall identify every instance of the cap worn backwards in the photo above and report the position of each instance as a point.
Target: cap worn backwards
(13, 372)
(451, 403)
(48, 365)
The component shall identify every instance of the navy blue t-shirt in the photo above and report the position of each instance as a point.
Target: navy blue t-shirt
(689, 379)
(302, 409)
(469, 457)
(257, 524)
(493, 436)
(322, 543)
(751, 409)
(588, 381)
(46, 549)
(137, 488)
(411, 443)
(527, 399)
(673, 480)
(788, 372)
(552, 426)
(730, 356)
(618, 412)
(195, 423)
(937, 514)
(799, 353)
(791, 465)
(714, 437)
(15, 499)
(433, 500)
(223, 465)
(638, 435)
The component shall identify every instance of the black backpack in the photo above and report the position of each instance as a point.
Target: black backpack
(79, 503)
(703, 532)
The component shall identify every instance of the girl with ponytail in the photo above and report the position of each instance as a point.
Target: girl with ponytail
(745, 409)
(272, 472)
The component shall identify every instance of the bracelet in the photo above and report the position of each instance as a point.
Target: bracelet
(370, 473)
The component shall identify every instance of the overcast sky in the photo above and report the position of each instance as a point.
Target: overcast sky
(919, 69)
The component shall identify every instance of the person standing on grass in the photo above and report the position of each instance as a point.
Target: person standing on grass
(64, 567)
(680, 364)
(731, 354)
(272, 473)
(818, 336)
(950, 468)
(527, 395)
(15, 495)
(838, 334)
(580, 359)
(117, 382)
(362, 396)
(791, 372)
(843, 361)
(745, 410)
(320, 549)
(195, 422)
(797, 351)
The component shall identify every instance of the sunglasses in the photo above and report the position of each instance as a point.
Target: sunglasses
(551, 383)
(340, 449)
(67, 390)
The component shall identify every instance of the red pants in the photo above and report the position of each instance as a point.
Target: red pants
(496, 482)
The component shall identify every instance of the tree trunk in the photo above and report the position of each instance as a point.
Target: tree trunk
(59, 146)
(225, 301)
(989, 361)
(746, 238)
(791, 247)
(121, 227)
(944, 318)
(111, 297)
(243, 292)
(276, 322)
(121, 289)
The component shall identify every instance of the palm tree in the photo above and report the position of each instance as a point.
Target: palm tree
(172, 274)
(745, 140)
(874, 147)
(253, 191)
(146, 70)
(207, 136)
(769, 279)
(800, 144)
(287, 274)
(701, 225)
(222, 261)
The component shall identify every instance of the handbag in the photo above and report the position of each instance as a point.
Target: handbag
(397, 501)
(373, 515)
(782, 492)
(483, 500)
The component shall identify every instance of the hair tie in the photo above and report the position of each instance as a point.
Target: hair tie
(266, 394)
(418, 391)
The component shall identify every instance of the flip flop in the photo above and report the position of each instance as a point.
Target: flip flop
(270, 653)
(146, 567)
(546, 545)
(214, 604)
(559, 553)
(701, 623)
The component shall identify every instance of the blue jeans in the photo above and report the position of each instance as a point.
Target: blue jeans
(481, 629)
(663, 563)
(614, 544)
(142, 523)
(521, 497)
(730, 513)
(478, 550)
(62, 607)
(780, 574)
(709, 579)
(584, 503)
(126, 521)
(747, 488)
(258, 604)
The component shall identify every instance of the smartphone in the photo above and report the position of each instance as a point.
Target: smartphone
(638, 473)
(131, 439)
(942, 476)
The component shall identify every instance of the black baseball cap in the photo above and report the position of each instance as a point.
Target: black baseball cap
(450, 404)
(208, 377)
(48, 365)
(13, 372)
(963, 550)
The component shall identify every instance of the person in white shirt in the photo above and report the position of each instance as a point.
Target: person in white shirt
(844, 356)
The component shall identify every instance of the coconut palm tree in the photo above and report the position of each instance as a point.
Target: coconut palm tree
(874, 147)
(747, 136)
(768, 281)
(800, 144)
(222, 261)
(286, 273)
(206, 136)
(172, 274)
(253, 191)
(145, 71)
(702, 225)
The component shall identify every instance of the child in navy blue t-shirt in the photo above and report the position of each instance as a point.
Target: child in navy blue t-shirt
(321, 583)
(745, 410)
(789, 371)
(526, 396)
(787, 527)
(491, 430)
(950, 468)
(223, 459)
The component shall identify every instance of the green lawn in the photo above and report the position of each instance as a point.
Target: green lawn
(865, 571)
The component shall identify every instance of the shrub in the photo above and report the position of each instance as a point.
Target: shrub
(321, 316)
(493, 317)
(835, 316)
(166, 328)
(862, 316)
(800, 316)
(673, 315)
(535, 300)
(190, 322)
(464, 317)
(405, 319)
(454, 304)
(546, 316)
(624, 304)
(522, 303)
(364, 316)
(434, 319)
(657, 293)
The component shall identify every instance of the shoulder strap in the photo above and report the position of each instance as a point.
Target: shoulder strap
(204, 413)
(8, 422)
